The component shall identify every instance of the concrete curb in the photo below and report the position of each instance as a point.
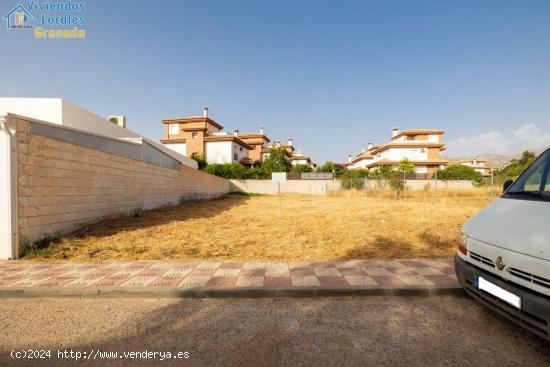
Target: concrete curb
(206, 292)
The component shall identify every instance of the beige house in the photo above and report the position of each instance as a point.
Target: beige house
(259, 142)
(480, 165)
(422, 147)
(204, 137)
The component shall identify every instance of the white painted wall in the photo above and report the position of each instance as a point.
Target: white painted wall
(5, 196)
(241, 153)
(61, 112)
(397, 154)
(362, 163)
(322, 187)
(181, 148)
(219, 152)
(299, 161)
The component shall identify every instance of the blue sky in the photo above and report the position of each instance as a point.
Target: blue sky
(333, 75)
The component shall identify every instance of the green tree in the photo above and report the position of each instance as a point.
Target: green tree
(328, 166)
(459, 172)
(200, 160)
(332, 167)
(516, 166)
(396, 181)
(406, 166)
(382, 172)
(301, 168)
(353, 179)
(230, 170)
(276, 162)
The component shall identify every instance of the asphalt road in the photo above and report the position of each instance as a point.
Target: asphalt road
(305, 332)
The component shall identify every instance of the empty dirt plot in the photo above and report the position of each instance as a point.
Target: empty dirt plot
(348, 226)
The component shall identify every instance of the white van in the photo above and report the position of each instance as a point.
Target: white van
(503, 259)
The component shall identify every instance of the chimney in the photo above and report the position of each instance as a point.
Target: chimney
(118, 120)
(362, 150)
(394, 132)
(369, 146)
(236, 133)
(261, 129)
(290, 141)
(205, 111)
(349, 158)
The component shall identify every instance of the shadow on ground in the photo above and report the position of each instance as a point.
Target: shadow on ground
(140, 220)
(303, 332)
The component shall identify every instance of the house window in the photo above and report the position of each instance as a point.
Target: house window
(240, 149)
(411, 137)
(173, 129)
(235, 157)
(194, 135)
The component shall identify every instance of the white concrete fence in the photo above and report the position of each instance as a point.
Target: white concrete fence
(323, 187)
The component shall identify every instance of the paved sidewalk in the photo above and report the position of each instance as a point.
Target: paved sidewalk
(190, 278)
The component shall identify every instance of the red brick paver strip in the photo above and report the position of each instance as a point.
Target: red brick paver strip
(239, 276)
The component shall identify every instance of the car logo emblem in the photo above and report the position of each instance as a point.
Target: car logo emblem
(499, 263)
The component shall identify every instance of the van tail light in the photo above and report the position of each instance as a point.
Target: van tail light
(463, 245)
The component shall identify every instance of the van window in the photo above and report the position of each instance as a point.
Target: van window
(534, 182)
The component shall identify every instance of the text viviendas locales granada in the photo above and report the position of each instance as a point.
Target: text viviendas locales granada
(59, 20)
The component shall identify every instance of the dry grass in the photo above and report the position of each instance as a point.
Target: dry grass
(348, 225)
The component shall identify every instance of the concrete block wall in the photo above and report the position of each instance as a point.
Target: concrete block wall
(63, 186)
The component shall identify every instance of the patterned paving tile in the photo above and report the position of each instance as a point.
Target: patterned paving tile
(176, 273)
(166, 282)
(412, 263)
(139, 281)
(109, 282)
(230, 273)
(81, 282)
(209, 265)
(302, 272)
(352, 272)
(227, 273)
(193, 281)
(249, 281)
(276, 270)
(415, 280)
(426, 271)
(30, 281)
(388, 281)
(446, 280)
(378, 271)
(277, 282)
(360, 281)
(402, 271)
(225, 282)
(253, 272)
(231, 265)
(327, 272)
(437, 263)
(347, 264)
(203, 272)
(333, 281)
(54, 282)
(255, 265)
(305, 281)
(390, 264)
